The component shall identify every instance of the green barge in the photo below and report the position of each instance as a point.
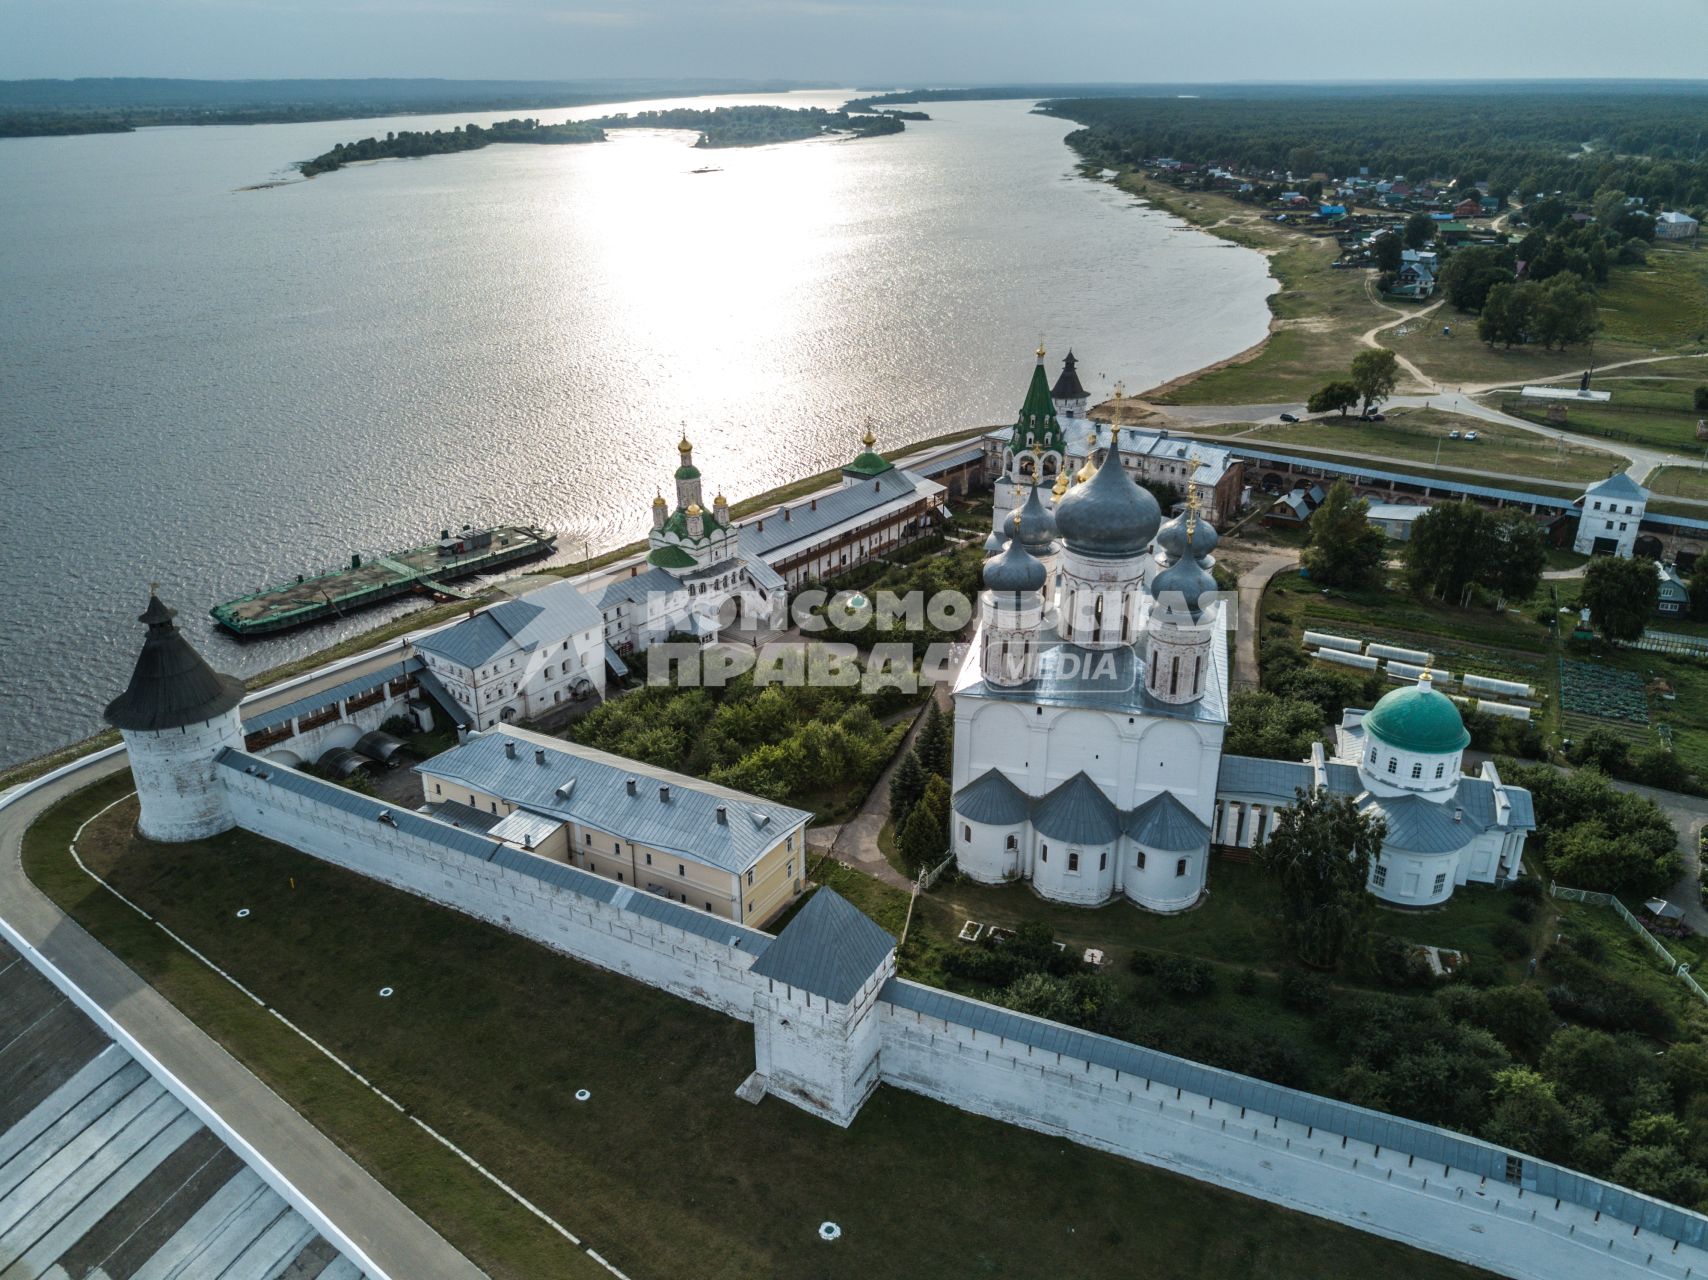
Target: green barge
(423, 570)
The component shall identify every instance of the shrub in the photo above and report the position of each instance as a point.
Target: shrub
(1304, 992)
(1143, 962)
(1186, 976)
(1246, 983)
(1397, 964)
(1511, 939)
(1529, 888)
(1584, 993)
(1522, 909)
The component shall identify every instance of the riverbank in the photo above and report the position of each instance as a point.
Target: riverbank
(434, 615)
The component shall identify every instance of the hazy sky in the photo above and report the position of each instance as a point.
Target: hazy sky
(855, 42)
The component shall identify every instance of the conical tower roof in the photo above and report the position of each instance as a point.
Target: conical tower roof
(1068, 385)
(172, 684)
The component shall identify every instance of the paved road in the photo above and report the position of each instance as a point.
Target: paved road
(398, 1242)
(1252, 582)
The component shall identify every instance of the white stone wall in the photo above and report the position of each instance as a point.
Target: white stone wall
(1460, 1215)
(174, 771)
(684, 964)
(1604, 518)
(1409, 879)
(819, 1055)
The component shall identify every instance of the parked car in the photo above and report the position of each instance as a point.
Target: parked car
(1471, 435)
(1288, 417)
(1452, 435)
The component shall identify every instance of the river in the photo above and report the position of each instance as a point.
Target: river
(216, 387)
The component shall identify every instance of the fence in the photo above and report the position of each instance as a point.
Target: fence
(1673, 965)
(931, 875)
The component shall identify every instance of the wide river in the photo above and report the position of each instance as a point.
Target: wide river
(216, 387)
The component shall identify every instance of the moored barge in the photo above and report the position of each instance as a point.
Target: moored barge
(368, 581)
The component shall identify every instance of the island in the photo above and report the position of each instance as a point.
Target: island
(743, 126)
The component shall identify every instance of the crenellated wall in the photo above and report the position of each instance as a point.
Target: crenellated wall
(664, 944)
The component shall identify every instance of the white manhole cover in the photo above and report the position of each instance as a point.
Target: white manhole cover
(243, 913)
(582, 1095)
(385, 992)
(829, 1231)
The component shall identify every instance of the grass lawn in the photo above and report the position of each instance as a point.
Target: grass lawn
(1662, 304)
(1465, 360)
(1319, 311)
(1422, 435)
(1639, 424)
(1679, 482)
(664, 1172)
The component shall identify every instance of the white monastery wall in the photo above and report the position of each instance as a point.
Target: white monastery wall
(1460, 1215)
(601, 933)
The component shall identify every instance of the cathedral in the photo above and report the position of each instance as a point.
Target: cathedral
(1092, 704)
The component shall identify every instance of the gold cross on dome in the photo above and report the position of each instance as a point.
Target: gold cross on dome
(1191, 510)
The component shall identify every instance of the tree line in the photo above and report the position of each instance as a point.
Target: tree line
(1520, 144)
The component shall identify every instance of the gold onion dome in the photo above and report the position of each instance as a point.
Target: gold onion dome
(719, 501)
(868, 439)
(659, 501)
(694, 509)
(683, 446)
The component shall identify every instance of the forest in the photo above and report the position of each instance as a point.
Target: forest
(470, 137)
(1643, 143)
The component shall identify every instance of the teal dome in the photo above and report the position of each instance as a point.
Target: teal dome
(1418, 719)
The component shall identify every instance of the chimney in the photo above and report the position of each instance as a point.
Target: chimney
(527, 840)
(1458, 815)
(759, 526)
(462, 734)
(723, 816)
(664, 792)
(510, 748)
(632, 786)
(539, 755)
(786, 516)
(814, 504)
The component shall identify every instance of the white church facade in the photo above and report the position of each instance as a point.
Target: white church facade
(1092, 705)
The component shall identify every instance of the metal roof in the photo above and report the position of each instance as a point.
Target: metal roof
(326, 697)
(937, 466)
(769, 535)
(638, 588)
(572, 879)
(992, 799)
(764, 576)
(1162, 822)
(1392, 1133)
(1417, 825)
(1077, 812)
(543, 617)
(1280, 779)
(665, 810)
(171, 685)
(1619, 485)
(429, 684)
(462, 815)
(419, 825)
(831, 948)
(1558, 502)
(1104, 679)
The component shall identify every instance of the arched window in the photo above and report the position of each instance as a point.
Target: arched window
(966, 833)
(1417, 769)
(1073, 860)
(1439, 768)
(1012, 843)
(1174, 677)
(1393, 764)
(1103, 861)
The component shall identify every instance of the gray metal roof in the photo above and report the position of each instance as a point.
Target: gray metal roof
(831, 948)
(1249, 776)
(992, 799)
(579, 784)
(419, 825)
(430, 685)
(1105, 679)
(1343, 779)
(326, 697)
(937, 466)
(1162, 822)
(770, 535)
(648, 582)
(1619, 485)
(463, 815)
(1426, 1142)
(764, 576)
(572, 879)
(1416, 825)
(1077, 812)
(171, 685)
(1558, 502)
(546, 616)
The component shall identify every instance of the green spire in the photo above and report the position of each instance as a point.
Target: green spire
(1038, 415)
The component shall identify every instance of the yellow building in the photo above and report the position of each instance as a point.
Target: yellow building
(716, 849)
